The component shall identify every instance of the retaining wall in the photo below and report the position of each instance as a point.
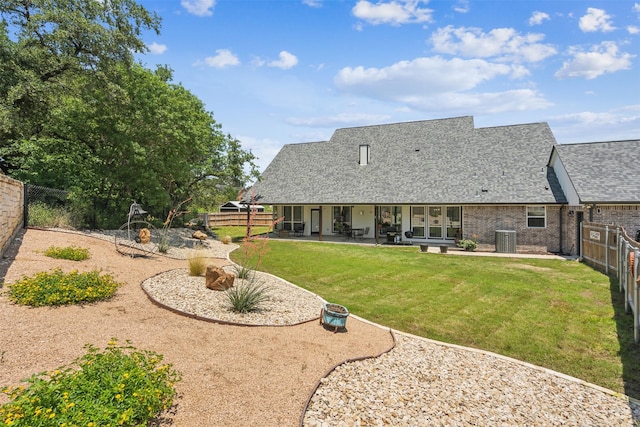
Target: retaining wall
(11, 210)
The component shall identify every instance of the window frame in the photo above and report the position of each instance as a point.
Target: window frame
(292, 215)
(341, 216)
(419, 221)
(532, 217)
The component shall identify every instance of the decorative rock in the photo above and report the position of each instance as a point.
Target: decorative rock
(144, 235)
(218, 279)
(199, 235)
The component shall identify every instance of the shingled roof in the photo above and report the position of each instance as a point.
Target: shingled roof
(445, 161)
(603, 172)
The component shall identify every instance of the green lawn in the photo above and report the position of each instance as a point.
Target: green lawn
(238, 233)
(562, 315)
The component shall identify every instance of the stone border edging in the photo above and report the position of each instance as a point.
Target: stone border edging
(355, 359)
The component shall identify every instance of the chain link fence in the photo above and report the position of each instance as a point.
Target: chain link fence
(48, 207)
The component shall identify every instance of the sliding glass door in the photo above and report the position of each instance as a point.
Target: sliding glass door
(435, 222)
(445, 222)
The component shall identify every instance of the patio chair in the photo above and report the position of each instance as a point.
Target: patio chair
(409, 236)
(360, 233)
(298, 229)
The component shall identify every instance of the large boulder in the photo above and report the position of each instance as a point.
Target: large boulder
(199, 235)
(218, 279)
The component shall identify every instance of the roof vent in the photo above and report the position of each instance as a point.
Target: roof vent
(364, 155)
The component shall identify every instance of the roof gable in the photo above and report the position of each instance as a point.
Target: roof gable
(603, 172)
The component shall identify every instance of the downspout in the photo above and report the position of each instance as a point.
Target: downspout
(320, 221)
(562, 207)
(375, 220)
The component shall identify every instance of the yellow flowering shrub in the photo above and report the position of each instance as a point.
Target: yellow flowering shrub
(59, 288)
(120, 386)
(73, 253)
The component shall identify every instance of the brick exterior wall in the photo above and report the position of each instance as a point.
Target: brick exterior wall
(627, 216)
(483, 221)
(11, 209)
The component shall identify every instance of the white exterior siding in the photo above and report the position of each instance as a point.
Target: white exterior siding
(564, 179)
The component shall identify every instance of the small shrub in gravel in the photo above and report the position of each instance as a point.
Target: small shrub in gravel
(59, 288)
(197, 263)
(247, 296)
(72, 253)
(118, 386)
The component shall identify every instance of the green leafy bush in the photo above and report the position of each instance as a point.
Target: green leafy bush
(119, 386)
(246, 297)
(43, 215)
(58, 288)
(468, 244)
(72, 253)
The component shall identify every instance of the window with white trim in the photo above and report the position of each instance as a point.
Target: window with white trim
(536, 216)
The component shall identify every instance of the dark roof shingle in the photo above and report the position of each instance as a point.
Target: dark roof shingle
(445, 161)
(603, 172)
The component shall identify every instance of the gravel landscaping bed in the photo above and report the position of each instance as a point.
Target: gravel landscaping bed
(422, 383)
(287, 304)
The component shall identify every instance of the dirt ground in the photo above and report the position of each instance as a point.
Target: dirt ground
(232, 375)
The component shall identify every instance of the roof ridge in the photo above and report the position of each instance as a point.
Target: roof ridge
(408, 122)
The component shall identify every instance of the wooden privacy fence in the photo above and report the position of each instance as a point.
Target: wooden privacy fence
(229, 219)
(610, 249)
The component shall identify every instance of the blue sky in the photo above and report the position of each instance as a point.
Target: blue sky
(275, 72)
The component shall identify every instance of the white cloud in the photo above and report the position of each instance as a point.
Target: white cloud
(312, 3)
(632, 29)
(487, 102)
(338, 120)
(286, 60)
(265, 149)
(199, 7)
(503, 43)
(424, 76)
(395, 12)
(157, 49)
(258, 62)
(436, 84)
(462, 6)
(603, 58)
(224, 58)
(596, 20)
(617, 124)
(538, 18)
(636, 7)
